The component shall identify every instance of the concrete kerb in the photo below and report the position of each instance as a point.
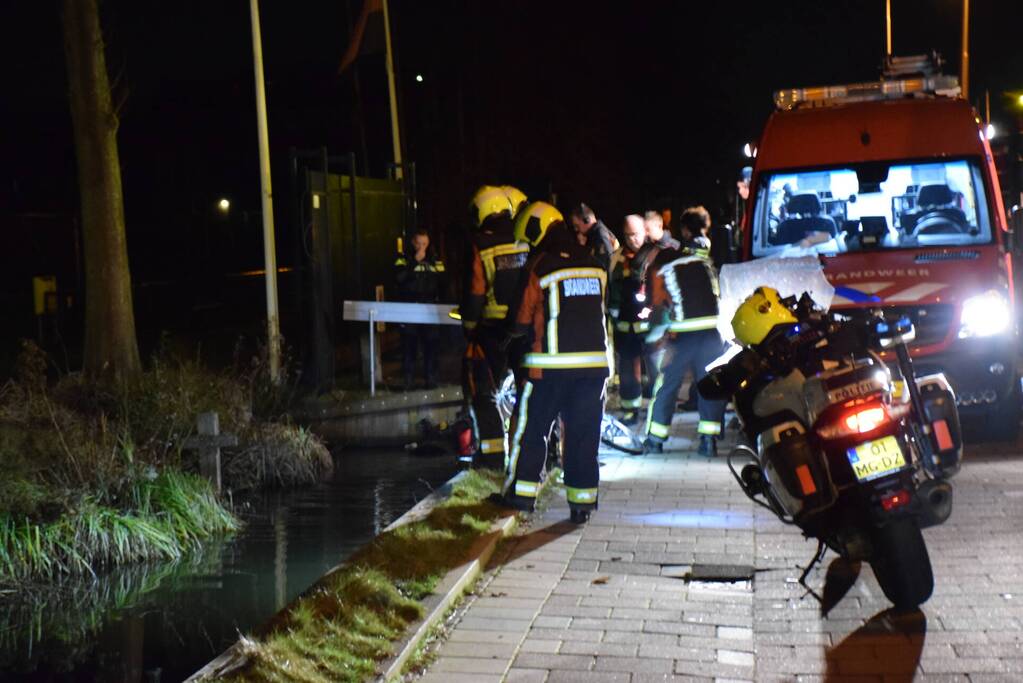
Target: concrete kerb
(450, 588)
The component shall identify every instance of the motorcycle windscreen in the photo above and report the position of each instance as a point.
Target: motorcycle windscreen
(790, 276)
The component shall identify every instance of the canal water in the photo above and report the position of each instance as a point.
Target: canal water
(164, 622)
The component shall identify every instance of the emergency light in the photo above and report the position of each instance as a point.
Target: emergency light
(918, 75)
(821, 96)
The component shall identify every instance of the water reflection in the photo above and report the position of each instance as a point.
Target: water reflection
(162, 622)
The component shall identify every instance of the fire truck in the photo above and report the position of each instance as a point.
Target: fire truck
(893, 186)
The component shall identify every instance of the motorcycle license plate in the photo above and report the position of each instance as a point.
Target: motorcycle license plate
(876, 458)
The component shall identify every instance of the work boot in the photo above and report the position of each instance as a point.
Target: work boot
(688, 406)
(512, 502)
(580, 515)
(651, 446)
(708, 446)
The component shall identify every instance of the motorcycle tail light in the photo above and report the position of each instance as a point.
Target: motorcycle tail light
(894, 499)
(859, 419)
(865, 420)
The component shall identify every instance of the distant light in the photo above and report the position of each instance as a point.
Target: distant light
(747, 149)
(989, 131)
(419, 78)
(1020, 100)
(224, 205)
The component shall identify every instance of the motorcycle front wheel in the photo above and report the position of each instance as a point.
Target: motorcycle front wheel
(901, 563)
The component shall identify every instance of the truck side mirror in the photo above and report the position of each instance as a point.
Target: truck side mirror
(1014, 223)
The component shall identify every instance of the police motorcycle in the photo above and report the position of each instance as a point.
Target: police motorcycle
(854, 450)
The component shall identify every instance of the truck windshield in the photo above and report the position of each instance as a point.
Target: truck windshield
(870, 206)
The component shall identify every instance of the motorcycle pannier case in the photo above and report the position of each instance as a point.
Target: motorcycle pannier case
(796, 471)
(946, 434)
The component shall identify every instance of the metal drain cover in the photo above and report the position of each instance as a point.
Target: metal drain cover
(723, 573)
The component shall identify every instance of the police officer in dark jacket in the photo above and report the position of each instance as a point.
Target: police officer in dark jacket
(600, 242)
(420, 278)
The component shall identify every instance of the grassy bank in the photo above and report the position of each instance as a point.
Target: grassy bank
(343, 626)
(95, 476)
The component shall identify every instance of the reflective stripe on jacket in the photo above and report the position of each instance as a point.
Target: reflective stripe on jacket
(563, 306)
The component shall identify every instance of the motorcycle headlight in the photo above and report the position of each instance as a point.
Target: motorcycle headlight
(985, 315)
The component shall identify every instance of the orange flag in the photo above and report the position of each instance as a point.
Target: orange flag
(368, 34)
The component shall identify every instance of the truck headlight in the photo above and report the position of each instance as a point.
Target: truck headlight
(984, 315)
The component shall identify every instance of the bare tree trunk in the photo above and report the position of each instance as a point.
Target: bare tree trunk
(111, 349)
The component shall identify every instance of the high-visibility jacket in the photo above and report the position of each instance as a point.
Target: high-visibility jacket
(419, 282)
(626, 294)
(562, 306)
(495, 270)
(684, 293)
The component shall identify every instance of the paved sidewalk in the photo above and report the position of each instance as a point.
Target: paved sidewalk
(608, 601)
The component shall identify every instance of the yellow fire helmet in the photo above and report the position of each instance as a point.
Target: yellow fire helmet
(487, 201)
(517, 197)
(758, 314)
(533, 221)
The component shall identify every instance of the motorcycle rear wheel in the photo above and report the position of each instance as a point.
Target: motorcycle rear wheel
(901, 563)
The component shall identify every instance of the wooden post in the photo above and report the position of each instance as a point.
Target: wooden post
(208, 441)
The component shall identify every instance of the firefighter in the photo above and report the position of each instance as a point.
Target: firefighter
(627, 309)
(494, 270)
(420, 278)
(562, 310)
(684, 298)
(517, 198)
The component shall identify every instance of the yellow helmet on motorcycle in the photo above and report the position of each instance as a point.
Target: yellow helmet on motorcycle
(517, 197)
(533, 222)
(758, 315)
(487, 201)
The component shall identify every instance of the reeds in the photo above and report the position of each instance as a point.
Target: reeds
(171, 514)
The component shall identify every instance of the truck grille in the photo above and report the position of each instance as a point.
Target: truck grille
(932, 321)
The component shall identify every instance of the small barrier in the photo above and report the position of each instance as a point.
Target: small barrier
(395, 312)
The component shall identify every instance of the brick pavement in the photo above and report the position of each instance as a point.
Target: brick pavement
(605, 602)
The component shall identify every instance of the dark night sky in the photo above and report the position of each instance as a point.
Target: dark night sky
(621, 104)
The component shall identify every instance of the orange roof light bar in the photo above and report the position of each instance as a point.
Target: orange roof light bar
(939, 85)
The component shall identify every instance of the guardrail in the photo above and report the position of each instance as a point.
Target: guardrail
(395, 312)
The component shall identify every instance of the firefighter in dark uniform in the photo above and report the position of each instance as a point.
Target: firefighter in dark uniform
(627, 309)
(684, 298)
(420, 278)
(494, 270)
(562, 311)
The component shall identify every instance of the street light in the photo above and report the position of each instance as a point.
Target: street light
(989, 131)
(749, 150)
(224, 205)
(419, 78)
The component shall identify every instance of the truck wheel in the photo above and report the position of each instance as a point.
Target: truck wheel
(901, 563)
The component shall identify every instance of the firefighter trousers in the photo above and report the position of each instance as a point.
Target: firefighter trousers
(580, 403)
(637, 369)
(685, 351)
(485, 366)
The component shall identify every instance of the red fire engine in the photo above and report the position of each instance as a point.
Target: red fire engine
(892, 184)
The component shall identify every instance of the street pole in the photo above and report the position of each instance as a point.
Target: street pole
(964, 77)
(273, 329)
(393, 93)
(887, 28)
